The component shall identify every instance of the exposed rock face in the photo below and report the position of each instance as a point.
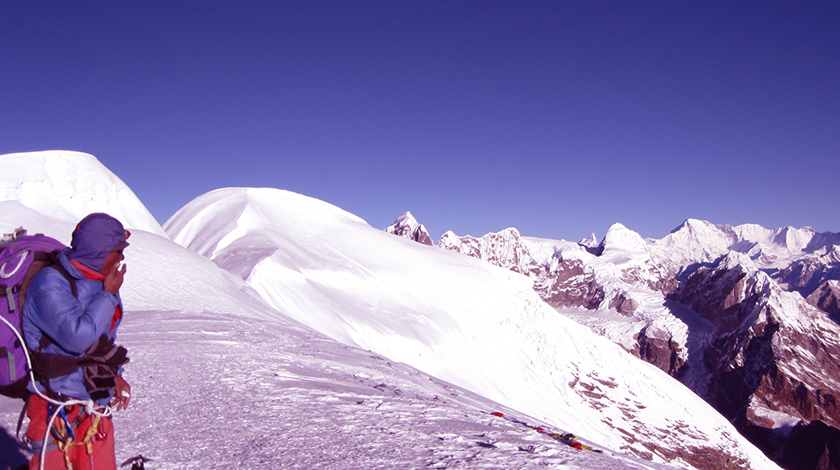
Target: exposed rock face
(827, 299)
(807, 275)
(560, 281)
(569, 284)
(503, 249)
(658, 347)
(624, 304)
(407, 226)
(772, 358)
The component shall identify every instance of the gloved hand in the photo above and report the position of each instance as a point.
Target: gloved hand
(104, 361)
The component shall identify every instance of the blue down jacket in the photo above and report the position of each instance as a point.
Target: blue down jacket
(74, 324)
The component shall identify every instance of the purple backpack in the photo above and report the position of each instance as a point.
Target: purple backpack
(21, 257)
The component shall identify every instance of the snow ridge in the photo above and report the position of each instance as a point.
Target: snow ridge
(462, 320)
(287, 395)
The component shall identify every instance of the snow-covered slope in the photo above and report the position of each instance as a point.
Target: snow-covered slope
(475, 325)
(70, 185)
(163, 275)
(49, 192)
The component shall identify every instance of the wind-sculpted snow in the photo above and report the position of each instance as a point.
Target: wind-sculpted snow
(221, 380)
(161, 275)
(478, 326)
(67, 186)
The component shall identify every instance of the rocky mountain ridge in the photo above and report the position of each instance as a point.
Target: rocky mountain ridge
(744, 316)
(407, 226)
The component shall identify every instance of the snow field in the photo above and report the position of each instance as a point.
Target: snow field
(223, 391)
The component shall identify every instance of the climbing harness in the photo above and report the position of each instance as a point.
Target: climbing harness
(69, 441)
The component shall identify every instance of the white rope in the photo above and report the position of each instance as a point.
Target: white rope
(90, 406)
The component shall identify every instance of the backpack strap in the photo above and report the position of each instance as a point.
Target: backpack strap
(56, 264)
(47, 366)
(48, 260)
(40, 260)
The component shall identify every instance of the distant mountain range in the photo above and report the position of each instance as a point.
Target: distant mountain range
(744, 316)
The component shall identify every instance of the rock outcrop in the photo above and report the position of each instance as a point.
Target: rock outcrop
(827, 299)
(503, 249)
(407, 226)
(561, 281)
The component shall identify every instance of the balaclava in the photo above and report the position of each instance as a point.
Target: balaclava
(95, 237)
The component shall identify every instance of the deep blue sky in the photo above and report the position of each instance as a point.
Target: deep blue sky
(558, 118)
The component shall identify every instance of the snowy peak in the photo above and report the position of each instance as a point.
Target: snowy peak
(793, 239)
(209, 223)
(503, 249)
(736, 261)
(407, 226)
(697, 241)
(70, 185)
(590, 242)
(621, 241)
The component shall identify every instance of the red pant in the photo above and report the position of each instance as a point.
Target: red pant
(102, 457)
